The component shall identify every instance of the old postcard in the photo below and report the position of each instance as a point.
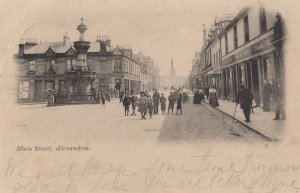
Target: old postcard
(153, 96)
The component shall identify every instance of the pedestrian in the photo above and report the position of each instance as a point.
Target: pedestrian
(134, 102)
(150, 105)
(206, 92)
(245, 97)
(156, 98)
(126, 103)
(171, 100)
(162, 103)
(179, 103)
(213, 99)
(280, 103)
(142, 105)
(201, 96)
(267, 90)
(121, 95)
(102, 96)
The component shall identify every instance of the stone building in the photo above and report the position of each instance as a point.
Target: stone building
(71, 69)
(243, 50)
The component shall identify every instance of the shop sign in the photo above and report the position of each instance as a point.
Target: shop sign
(255, 49)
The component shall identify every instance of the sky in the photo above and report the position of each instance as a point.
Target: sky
(160, 29)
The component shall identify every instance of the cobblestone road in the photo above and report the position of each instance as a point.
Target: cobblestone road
(94, 124)
(202, 123)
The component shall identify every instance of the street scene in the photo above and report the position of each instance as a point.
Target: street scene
(198, 124)
(231, 90)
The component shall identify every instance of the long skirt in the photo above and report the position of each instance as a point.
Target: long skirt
(163, 106)
(213, 100)
(142, 108)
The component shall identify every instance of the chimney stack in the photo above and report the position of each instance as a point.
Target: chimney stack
(66, 39)
(21, 49)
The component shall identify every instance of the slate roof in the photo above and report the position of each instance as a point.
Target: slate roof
(58, 47)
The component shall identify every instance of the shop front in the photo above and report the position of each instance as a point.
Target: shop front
(251, 66)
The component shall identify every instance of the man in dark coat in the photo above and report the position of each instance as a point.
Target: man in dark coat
(245, 97)
(156, 98)
(126, 103)
(179, 103)
(121, 95)
(267, 90)
(206, 89)
(280, 104)
(171, 99)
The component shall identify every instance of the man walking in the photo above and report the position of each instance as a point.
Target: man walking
(121, 95)
(126, 103)
(179, 103)
(280, 104)
(156, 98)
(171, 99)
(245, 97)
(134, 101)
(266, 96)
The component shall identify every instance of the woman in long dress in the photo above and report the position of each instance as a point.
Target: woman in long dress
(213, 99)
(142, 105)
(163, 103)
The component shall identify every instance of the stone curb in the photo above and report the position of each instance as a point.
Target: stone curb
(270, 138)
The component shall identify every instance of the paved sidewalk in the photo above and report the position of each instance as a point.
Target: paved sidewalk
(260, 121)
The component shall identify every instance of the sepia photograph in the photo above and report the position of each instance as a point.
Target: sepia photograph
(149, 96)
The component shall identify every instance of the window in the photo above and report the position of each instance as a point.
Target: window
(220, 58)
(263, 20)
(226, 44)
(118, 65)
(32, 66)
(246, 29)
(69, 65)
(235, 37)
(217, 59)
(23, 89)
(49, 65)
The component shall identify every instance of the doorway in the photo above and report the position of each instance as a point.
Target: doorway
(255, 82)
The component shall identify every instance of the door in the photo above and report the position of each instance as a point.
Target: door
(255, 82)
(39, 93)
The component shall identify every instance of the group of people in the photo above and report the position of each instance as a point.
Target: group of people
(245, 98)
(276, 91)
(211, 94)
(148, 104)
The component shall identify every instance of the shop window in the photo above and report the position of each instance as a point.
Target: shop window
(267, 69)
(263, 20)
(32, 66)
(23, 89)
(246, 29)
(235, 37)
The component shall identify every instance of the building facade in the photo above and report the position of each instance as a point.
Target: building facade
(244, 50)
(248, 54)
(71, 69)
